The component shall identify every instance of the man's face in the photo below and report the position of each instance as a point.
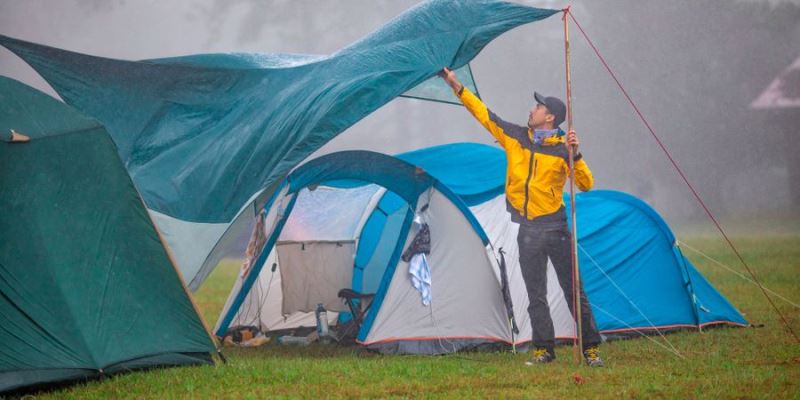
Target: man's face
(539, 116)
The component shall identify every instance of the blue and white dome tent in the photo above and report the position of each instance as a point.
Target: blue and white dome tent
(342, 221)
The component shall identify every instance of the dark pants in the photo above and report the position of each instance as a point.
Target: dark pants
(536, 244)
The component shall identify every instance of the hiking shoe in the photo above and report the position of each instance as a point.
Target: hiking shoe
(592, 356)
(540, 356)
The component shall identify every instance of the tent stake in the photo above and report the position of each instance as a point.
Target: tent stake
(576, 277)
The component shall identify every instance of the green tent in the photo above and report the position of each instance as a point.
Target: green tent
(86, 286)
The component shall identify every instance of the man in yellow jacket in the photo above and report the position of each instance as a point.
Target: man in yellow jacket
(537, 170)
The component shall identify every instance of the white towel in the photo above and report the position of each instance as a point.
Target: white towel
(420, 273)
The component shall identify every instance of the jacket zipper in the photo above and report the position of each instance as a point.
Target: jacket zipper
(531, 173)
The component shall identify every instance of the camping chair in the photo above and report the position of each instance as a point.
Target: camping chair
(359, 304)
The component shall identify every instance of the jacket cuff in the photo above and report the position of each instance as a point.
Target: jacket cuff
(577, 157)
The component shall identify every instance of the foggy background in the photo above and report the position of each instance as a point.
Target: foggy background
(693, 66)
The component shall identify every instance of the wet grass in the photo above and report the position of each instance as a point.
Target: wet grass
(724, 363)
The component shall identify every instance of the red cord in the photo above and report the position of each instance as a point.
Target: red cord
(686, 180)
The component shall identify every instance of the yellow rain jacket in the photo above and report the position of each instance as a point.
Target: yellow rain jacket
(536, 173)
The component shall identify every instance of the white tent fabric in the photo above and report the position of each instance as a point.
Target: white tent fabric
(313, 273)
(198, 247)
(314, 258)
(327, 214)
(263, 306)
(502, 233)
(467, 302)
(189, 242)
(465, 285)
(318, 241)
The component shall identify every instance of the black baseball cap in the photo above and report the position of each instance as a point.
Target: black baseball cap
(554, 105)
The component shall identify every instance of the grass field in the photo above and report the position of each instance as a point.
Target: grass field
(726, 363)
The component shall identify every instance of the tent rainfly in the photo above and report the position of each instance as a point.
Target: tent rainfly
(87, 288)
(343, 220)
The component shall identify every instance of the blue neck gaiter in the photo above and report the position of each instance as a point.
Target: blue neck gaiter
(539, 135)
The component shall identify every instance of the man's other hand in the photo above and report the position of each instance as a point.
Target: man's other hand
(572, 140)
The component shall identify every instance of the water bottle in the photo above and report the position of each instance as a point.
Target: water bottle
(322, 322)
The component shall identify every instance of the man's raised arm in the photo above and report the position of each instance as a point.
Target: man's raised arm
(475, 106)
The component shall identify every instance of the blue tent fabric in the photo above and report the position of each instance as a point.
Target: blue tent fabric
(381, 228)
(475, 172)
(713, 308)
(201, 134)
(621, 239)
(634, 274)
(624, 243)
(401, 178)
(365, 166)
(482, 180)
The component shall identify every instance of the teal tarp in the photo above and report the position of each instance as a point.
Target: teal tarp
(201, 134)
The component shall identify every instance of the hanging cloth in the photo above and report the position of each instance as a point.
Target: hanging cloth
(418, 268)
(420, 273)
(254, 247)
